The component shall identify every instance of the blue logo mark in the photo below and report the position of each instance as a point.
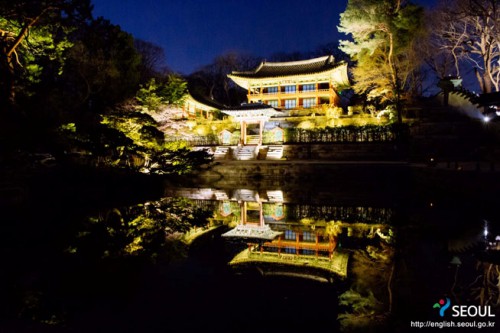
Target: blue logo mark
(442, 306)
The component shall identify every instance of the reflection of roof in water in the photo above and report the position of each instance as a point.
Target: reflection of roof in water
(253, 232)
(276, 264)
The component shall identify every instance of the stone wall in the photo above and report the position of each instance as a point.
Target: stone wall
(341, 152)
(334, 151)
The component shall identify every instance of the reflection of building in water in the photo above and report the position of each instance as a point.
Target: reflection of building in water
(281, 230)
(271, 239)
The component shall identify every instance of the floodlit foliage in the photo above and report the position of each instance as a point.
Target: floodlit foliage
(31, 31)
(148, 96)
(140, 230)
(155, 93)
(384, 36)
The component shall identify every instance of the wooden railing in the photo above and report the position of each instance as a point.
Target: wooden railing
(344, 134)
(255, 94)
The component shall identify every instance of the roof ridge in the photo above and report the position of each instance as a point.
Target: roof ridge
(297, 62)
(328, 59)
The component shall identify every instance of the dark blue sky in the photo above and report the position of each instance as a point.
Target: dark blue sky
(194, 32)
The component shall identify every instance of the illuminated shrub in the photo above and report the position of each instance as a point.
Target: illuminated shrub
(307, 124)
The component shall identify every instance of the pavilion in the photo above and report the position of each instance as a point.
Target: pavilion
(295, 84)
(251, 114)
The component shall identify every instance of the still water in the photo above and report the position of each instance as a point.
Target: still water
(252, 258)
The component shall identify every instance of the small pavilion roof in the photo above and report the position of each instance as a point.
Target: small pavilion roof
(278, 69)
(252, 232)
(210, 103)
(252, 109)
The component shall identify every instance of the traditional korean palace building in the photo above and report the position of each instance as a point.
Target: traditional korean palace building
(196, 106)
(273, 88)
(295, 84)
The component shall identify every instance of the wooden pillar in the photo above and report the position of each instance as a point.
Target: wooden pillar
(261, 129)
(330, 92)
(243, 134)
(317, 245)
(243, 214)
(279, 96)
(316, 87)
(297, 242)
(330, 248)
(279, 244)
(261, 215)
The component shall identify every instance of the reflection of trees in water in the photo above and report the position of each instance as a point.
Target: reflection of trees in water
(345, 213)
(475, 277)
(482, 287)
(368, 301)
(486, 287)
(101, 260)
(140, 229)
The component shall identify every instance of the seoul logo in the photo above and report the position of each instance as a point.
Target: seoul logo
(462, 311)
(442, 306)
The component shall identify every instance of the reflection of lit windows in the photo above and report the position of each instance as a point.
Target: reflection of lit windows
(290, 89)
(308, 102)
(271, 249)
(289, 249)
(226, 208)
(273, 103)
(308, 87)
(278, 212)
(272, 90)
(290, 103)
(308, 237)
(289, 234)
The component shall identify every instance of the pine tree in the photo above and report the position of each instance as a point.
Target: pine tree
(384, 34)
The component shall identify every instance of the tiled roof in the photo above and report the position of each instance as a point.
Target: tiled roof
(277, 69)
(205, 100)
(249, 106)
(252, 110)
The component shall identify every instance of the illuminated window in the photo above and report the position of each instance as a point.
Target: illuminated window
(308, 87)
(290, 103)
(308, 237)
(289, 234)
(272, 90)
(290, 250)
(273, 103)
(308, 252)
(308, 102)
(290, 89)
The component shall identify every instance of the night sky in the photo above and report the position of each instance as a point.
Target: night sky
(193, 32)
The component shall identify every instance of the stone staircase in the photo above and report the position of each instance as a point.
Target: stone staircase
(252, 140)
(221, 153)
(246, 153)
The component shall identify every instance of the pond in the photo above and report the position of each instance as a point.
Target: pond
(259, 257)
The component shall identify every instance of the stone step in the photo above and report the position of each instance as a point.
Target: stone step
(274, 152)
(246, 153)
(221, 152)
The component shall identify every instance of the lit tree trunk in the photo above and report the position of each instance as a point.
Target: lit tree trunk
(10, 54)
